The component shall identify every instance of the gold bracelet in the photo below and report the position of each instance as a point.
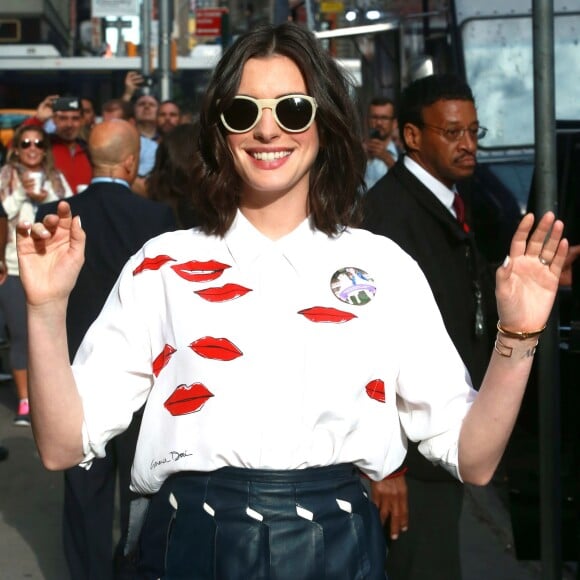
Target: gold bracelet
(507, 351)
(523, 335)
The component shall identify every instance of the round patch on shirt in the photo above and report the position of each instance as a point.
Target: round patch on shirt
(353, 286)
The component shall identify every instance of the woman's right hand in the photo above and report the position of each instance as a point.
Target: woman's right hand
(50, 256)
(30, 185)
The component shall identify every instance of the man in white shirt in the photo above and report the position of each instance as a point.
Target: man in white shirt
(381, 150)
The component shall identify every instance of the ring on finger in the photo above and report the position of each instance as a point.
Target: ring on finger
(544, 261)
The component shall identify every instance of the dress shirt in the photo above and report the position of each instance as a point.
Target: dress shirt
(147, 152)
(445, 195)
(116, 180)
(377, 168)
(247, 356)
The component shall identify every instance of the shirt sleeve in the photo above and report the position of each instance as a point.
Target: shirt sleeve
(112, 368)
(434, 387)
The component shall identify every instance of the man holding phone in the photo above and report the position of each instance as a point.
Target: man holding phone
(69, 150)
(381, 150)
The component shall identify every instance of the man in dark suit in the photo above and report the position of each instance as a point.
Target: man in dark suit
(117, 223)
(416, 204)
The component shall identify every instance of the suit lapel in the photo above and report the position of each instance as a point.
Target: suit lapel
(428, 201)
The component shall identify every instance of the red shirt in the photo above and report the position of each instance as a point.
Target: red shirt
(73, 161)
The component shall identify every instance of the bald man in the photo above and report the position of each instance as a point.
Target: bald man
(117, 223)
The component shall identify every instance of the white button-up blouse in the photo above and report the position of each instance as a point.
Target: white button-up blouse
(306, 351)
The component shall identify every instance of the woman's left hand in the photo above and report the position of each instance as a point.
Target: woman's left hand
(527, 282)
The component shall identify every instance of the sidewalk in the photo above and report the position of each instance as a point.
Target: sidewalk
(30, 504)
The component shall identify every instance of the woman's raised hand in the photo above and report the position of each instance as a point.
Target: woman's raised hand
(50, 256)
(527, 282)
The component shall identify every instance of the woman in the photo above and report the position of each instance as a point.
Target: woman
(28, 179)
(176, 172)
(276, 347)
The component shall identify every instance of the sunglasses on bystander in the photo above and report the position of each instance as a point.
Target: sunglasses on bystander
(26, 143)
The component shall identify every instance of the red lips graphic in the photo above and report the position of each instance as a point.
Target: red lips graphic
(194, 271)
(324, 314)
(187, 399)
(162, 359)
(376, 390)
(152, 263)
(222, 293)
(216, 348)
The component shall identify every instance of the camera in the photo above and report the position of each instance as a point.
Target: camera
(374, 134)
(66, 104)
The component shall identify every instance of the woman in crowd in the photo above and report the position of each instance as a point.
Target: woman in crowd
(28, 179)
(279, 350)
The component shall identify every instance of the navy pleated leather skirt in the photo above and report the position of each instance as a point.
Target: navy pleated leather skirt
(246, 524)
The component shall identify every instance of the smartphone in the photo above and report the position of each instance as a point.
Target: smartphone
(375, 134)
(66, 104)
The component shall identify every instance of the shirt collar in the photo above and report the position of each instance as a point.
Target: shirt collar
(440, 191)
(110, 180)
(246, 243)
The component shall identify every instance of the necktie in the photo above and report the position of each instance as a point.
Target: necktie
(459, 208)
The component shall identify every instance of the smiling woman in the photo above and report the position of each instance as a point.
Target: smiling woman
(27, 180)
(274, 347)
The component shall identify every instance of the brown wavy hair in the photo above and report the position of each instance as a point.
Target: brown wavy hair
(337, 177)
(176, 172)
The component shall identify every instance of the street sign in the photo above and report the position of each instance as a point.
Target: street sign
(208, 21)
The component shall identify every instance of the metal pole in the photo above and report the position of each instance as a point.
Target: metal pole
(146, 14)
(164, 52)
(548, 355)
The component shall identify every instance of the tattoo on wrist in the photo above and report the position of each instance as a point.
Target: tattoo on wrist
(521, 352)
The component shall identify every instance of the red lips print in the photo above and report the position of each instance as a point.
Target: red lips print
(162, 359)
(194, 271)
(376, 390)
(215, 348)
(324, 314)
(187, 399)
(152, 263)
(222, 293)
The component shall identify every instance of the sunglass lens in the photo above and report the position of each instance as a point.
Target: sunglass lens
(27, 143)
(294, 113)
(241, 115)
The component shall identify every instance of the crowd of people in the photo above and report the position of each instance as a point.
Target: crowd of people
(329, 322)
(106, 166)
